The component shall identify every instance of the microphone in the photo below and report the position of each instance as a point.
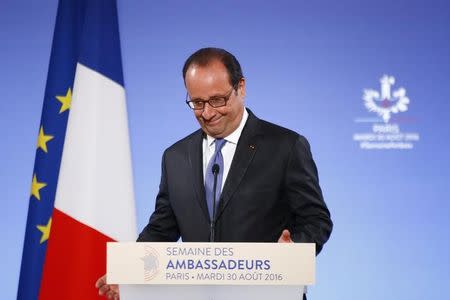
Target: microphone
(215, 171)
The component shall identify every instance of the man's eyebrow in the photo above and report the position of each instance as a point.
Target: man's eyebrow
(198, 99)
(213, 96)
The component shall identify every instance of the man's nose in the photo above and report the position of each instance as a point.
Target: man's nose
(208, 111)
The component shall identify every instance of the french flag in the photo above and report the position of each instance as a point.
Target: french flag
(82, 187)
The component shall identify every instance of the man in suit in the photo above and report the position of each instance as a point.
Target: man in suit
(267, 187)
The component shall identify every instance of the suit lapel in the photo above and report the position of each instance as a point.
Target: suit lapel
(195, 154)
(245, 151)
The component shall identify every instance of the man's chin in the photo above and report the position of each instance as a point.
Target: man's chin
(213, 131)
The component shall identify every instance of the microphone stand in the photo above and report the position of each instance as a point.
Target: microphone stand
(215, 170)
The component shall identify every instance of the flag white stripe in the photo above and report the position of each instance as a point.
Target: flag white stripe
(95, 183)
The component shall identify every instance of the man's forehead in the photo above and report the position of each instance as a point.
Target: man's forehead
(212, 78)
(213, 67)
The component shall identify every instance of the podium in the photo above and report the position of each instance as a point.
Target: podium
(211, 271)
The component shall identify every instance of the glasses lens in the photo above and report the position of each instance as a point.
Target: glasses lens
(196, 104)
(217, 102)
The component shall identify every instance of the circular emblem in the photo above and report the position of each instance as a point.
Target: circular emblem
(151, 263)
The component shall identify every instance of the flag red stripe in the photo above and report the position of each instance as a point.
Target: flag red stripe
(75, 259)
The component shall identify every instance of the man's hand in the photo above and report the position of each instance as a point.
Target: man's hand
(110, 291)
(285, 237)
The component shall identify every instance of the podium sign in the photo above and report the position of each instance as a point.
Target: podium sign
(269, 264)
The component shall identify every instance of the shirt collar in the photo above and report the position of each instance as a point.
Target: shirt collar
(235, 135)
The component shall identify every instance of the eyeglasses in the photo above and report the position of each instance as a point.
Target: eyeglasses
(215, 101)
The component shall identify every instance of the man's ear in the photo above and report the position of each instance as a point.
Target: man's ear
(241, 87)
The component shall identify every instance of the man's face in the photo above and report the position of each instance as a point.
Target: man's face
(212, 81)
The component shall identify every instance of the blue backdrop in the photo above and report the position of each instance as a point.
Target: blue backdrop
(307, 64)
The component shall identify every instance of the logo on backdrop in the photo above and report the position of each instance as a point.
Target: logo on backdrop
(390, 105)
(151, 263)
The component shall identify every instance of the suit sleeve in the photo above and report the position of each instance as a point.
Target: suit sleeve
(311, 222)
(162, 226)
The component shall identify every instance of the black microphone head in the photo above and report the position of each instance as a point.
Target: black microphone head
(215, 169)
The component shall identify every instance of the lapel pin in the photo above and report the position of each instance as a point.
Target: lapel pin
(252, 147)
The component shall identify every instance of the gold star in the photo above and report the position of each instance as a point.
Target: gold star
(43, 139)
(45, 229)
(65, 101)
(36, 186)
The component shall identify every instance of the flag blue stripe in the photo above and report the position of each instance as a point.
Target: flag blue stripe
(100, 49)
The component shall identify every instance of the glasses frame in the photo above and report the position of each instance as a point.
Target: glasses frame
(226, 98)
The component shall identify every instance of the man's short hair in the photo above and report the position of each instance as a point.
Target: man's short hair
(205, 56)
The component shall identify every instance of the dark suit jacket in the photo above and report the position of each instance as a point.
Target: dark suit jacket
(272, 185)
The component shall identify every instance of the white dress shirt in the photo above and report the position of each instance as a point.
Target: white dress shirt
(228, 149)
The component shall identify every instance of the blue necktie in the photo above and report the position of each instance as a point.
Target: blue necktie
(217, 158)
